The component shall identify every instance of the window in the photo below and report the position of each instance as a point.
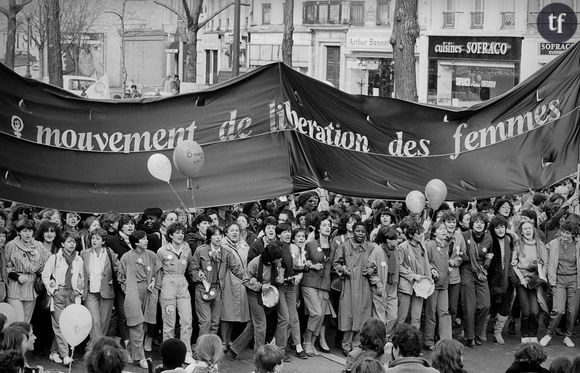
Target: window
(449, 15)
(334, 13)
(508, 14)
(310, 13)
(357, 13)
(331, 12)
(266, 13)
(384, 12)
(477, 15)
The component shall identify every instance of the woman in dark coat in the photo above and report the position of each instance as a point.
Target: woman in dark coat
(474, 285)
(499, 274)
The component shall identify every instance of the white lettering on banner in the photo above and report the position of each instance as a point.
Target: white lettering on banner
(116, 141)
(283, 117)
(507, 129)
(330, 134)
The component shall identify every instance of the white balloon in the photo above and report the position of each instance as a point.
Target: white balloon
(10, 313)
(415, 201)
(435, 192)
(75, 324)
(159, 167)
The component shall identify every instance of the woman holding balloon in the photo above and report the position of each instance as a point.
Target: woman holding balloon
(63, 277)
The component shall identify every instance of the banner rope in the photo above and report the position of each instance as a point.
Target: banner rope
(177, 195)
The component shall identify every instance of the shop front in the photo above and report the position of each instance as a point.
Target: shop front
(464, 71)
(369, 63)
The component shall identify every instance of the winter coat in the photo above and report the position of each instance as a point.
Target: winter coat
(235, 305)
(553, 248)
(410, 265)
(498, 277)
(355, 305)
(135, 311)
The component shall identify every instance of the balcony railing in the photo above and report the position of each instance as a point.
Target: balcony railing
(508, 19)
(448, 19)
(477, 20)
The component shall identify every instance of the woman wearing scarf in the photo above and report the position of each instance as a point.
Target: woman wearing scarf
(25, 258)
(48, 233)
(297, 248)
(530, 259)
(235, 307)
(437, 305)
(456, 248)
(316, 284)
(355, 305)
(260, 275)
(287, 303)
(174, 297)
(63, 276)
(413, 266)
(120, 244)
(139, 277)
(246, 235)
(499, 273)
(383, 273)
(210, 264)
(100, 268)
(474, 286)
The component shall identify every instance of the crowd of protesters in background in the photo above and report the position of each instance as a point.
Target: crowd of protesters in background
(304, 273)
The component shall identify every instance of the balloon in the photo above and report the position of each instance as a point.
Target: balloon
(436, 192)
(159, 167)
(188, 158)
(75, 324)
(415, 201)
(9, 312)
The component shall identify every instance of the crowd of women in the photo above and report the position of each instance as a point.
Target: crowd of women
(292, 268)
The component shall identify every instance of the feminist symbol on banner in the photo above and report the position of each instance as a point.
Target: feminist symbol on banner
(17, 125)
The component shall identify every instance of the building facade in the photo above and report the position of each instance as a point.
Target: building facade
(467, 51)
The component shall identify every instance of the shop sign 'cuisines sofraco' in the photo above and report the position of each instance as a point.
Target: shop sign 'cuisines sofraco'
(275, 131)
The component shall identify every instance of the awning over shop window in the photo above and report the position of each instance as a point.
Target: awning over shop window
(173, 47)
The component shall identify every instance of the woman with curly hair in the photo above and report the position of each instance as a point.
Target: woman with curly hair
(105, 356)
(528, 358)
(447, 356)
(530, 261)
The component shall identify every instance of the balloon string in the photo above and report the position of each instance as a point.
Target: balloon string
(193, 199)
(72, 357)
(177, 195)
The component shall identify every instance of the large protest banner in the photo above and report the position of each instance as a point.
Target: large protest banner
(274, 131)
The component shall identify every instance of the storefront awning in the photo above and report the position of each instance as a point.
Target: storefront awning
(173, 47)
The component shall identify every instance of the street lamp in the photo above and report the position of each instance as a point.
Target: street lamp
(28, 74)
(124, 70)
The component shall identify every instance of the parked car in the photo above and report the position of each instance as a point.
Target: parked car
(77, 83)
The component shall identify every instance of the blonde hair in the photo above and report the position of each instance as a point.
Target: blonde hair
(209, 349)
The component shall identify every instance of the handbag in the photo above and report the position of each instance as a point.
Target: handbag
(336, 284)
(39, 285)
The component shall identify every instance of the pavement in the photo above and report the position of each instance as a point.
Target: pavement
(490, 357)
